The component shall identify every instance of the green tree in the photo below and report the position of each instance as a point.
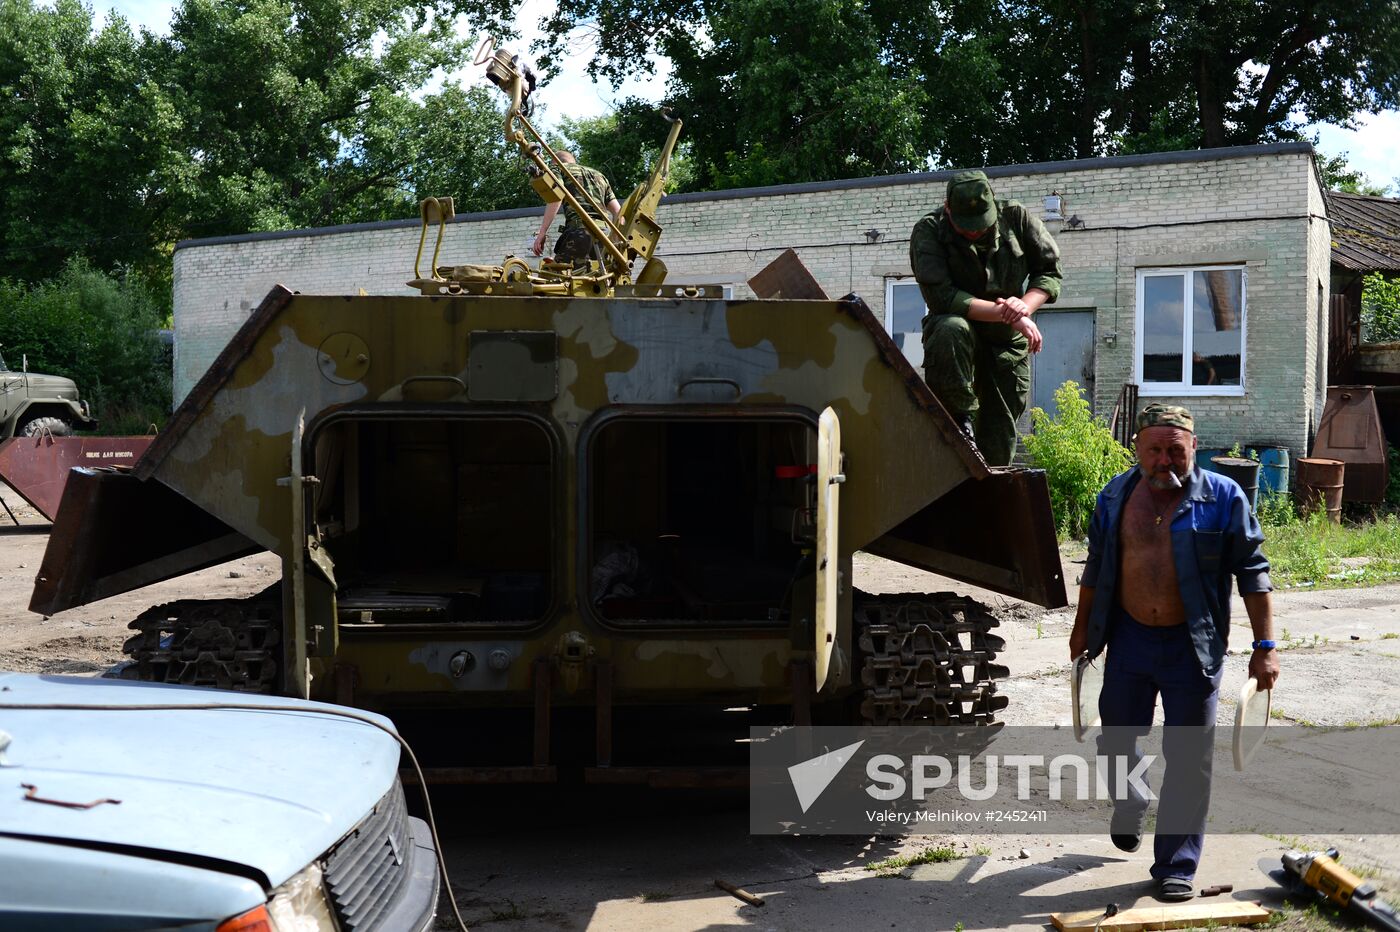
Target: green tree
(1380, 309)
(450, 143)
(288, 99)
(251, 115)
(99, 330)
(794, 90)
(91, 160)
(971, 82)
(624, 145)
(1338, 175)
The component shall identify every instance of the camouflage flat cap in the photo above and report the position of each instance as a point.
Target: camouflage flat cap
(1160, 415)
(971, 204)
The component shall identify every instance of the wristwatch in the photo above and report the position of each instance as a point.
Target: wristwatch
(1265, 645)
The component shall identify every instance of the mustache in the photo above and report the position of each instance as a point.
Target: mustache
(1172, 480)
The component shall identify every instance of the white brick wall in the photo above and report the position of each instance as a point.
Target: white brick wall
(1249, 206)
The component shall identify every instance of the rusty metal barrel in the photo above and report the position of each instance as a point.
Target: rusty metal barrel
(1320, 482)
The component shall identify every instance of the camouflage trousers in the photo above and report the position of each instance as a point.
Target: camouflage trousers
(982, 371)
(576, 245)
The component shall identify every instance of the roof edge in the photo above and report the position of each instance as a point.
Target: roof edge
(806, 187)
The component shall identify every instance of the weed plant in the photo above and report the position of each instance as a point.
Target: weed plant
(1309, 551)
(1079, 455)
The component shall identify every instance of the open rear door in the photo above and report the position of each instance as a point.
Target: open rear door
(114, 533)
(997, 533)
(829, 479)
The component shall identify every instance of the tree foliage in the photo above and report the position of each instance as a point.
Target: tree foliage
(98, 330)
(90, 162)
(794, 90)
(1380, 309)
(838, 88)
(270, 114)
(1338, 175)
(625, 144)
(251, 115)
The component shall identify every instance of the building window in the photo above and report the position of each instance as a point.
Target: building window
(1190, 330)
(904, 314)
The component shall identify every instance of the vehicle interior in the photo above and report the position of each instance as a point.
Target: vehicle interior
(699, 519)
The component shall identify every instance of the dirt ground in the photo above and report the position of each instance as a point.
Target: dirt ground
(564, 858)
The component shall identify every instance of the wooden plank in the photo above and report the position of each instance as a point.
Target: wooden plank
(787, 277)
(1228, 913)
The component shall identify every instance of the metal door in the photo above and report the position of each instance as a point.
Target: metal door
(1066, 355)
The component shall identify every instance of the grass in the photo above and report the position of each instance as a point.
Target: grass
(1289, 642)
(982, 851)
(1309, 552)
(1390, 636)
(891, 866)
(1292, 841)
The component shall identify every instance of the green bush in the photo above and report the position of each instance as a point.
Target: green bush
(1380, 309)
(98, 330)
(1079, 455)
(1276, 509)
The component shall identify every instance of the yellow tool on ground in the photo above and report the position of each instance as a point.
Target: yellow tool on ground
(1320, 872)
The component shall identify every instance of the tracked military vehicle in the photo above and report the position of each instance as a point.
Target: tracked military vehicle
(508, 499)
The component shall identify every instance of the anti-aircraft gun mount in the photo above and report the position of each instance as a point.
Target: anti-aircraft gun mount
(630, 239)
(554, 518)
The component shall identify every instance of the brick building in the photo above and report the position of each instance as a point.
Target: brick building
(1203, 276)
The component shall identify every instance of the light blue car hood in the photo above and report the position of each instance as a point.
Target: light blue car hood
(267, 790)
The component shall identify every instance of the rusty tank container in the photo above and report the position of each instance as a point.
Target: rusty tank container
(552, 503)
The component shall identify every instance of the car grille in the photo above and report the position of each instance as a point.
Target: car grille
(367, 868)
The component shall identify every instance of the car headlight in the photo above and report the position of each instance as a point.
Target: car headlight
(299, 905)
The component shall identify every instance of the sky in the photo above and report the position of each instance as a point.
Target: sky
(1372, 148)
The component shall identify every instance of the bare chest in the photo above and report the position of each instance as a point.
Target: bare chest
(1149, 583)
(1146, 528)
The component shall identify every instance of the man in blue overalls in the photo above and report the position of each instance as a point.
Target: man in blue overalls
(1164, 543)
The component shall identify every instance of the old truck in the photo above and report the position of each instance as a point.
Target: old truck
(32, 403)
(559, 515)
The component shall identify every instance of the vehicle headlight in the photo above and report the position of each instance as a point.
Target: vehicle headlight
(299, 905)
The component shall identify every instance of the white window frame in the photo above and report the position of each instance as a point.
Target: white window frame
(890, 284)
(1178, 389)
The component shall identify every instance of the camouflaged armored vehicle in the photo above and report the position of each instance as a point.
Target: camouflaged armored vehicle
(511, 502)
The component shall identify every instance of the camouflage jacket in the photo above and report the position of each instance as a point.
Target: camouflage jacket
(578, 178)
(950, 272)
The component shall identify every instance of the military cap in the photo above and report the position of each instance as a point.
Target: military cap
(1160, 415)
(971, 204)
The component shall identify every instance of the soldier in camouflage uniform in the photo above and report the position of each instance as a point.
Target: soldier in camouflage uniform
(575, 244)
(984, 267)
